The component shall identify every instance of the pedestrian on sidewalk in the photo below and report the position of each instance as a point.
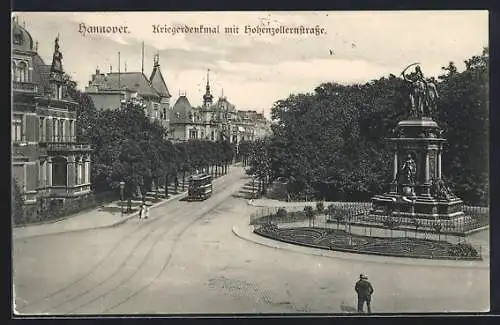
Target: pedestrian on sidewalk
(146, 211)
(142, 212)
(364, 290)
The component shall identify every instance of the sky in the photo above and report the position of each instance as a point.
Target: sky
(251, 70)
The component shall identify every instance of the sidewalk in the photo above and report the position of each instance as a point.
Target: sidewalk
(103, 217)
(106, 216)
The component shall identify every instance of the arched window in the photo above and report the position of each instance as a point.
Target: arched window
(59, 171)
(14, 70)
(84, 171)
(22, 72)
(77, 169)
(54, 130)
(60, 130)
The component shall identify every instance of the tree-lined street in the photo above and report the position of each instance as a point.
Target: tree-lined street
(185, 259)
(380, 155)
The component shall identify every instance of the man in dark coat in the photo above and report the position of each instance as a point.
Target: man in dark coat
(364, 290)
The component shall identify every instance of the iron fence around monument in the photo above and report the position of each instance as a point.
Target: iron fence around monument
(355, 219)
(358, 214)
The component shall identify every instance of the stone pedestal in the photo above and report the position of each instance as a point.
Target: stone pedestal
(416, 196)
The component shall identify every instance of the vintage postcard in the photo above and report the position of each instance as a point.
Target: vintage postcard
(250, 162)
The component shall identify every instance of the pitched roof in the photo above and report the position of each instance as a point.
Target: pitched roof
(181, 110)
(158, 82)
(135, 81)
(22, 40)
(41, 73)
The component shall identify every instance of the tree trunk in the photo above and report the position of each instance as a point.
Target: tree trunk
(166, 186)
(129, 204)
(183, 180)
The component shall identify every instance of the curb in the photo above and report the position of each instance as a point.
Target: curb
(351, 256)
(112, 225)
(470, 232)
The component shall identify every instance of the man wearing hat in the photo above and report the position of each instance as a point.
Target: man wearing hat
(364, 290)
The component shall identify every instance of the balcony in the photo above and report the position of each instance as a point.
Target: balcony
(57, 103)
(63, 191)
(67, 146)
(29, 197)
(58, 144)
(24, 87)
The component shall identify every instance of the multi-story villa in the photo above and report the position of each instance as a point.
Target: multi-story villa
(48, 163)
(211, 121)
(112, 90)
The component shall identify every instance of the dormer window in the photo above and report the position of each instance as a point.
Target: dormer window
(21, 72)
(17, 38)
(58, 91)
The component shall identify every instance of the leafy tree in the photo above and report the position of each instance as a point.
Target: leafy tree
(437, 226)
(417, 224)
(17, 203)
(309, 211)
(464, 116)
(320, 206)
(332, 142)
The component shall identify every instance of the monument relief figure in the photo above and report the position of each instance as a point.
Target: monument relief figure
(409, 170)
(441, 190)
(423, 93)
(57, 57)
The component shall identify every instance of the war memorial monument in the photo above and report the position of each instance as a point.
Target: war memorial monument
(418, 189)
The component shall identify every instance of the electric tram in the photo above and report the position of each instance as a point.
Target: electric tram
(200, 187)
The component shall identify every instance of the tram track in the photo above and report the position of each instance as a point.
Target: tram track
(140, 241)
(61, 294)
(205, 209)
(169, 256)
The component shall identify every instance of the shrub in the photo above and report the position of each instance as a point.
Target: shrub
(320, 206)
(17, 203)
(308, 210)
(331, 210)
(282, 213)
(391, 222)
(437, 226)
(463, 250)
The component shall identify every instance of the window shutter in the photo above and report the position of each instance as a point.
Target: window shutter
(48, 133)
(66, 131)
(31, 177)
(36, 128)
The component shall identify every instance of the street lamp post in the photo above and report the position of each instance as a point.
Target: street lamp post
(122, 188)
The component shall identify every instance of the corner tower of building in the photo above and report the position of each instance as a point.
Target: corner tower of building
(207, 98)
(51, 168)
(158, 83)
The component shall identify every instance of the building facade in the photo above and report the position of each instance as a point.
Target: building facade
(213, 121)
(48, 163)
(114, 89)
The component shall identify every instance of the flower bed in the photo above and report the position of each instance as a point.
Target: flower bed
(342, 241)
